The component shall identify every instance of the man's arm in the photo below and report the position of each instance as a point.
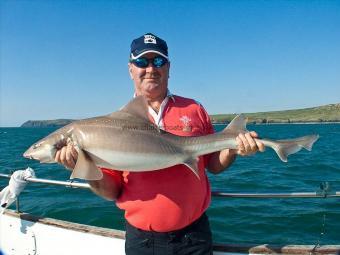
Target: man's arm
(109, 187)
(221, 160)
(247, 145)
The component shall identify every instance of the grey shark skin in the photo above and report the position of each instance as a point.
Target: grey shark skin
(127, 140)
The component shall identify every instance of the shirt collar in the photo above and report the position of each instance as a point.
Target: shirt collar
(170, 95)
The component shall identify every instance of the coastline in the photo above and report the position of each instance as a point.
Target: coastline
(326, 114)
(283, 123)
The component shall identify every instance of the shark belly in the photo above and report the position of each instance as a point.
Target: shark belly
(134, 161)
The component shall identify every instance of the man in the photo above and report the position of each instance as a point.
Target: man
(165, 209)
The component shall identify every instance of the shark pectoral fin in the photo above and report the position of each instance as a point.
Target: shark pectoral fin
(99, 161)
(85, 168)
(238, 124)
(193, 165)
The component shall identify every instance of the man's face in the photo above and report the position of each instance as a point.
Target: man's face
(151, 82)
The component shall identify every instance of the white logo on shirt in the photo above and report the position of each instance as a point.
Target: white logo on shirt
(150, 39)
(186, 122)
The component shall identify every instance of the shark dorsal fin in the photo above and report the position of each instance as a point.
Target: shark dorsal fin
(137, 107)
(238, 124)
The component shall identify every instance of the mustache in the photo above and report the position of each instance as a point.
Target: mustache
(150, 75)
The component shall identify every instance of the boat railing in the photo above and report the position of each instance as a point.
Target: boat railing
(323, 192)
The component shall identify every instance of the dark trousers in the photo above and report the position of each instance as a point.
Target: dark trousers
(194, 239)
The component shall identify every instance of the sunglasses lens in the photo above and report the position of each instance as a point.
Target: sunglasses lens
(159, 61)
(141, 62)
(144, 62)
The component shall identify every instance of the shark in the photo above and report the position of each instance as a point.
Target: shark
(127, 140)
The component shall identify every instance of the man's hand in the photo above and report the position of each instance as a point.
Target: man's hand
(67, 156)
(109, 187)
(247, 144)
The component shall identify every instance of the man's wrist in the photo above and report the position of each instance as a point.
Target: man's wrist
(230, 154)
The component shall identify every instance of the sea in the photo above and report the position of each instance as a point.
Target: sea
(313, 221)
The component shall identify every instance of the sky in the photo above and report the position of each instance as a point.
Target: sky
(68, 59)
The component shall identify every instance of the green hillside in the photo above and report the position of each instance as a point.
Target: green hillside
(326, 113)
(46, 123)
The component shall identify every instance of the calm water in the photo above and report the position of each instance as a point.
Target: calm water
(273, 221)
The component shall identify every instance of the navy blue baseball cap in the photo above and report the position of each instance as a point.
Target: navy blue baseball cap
(148, 43)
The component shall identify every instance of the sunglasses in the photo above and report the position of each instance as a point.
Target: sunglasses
(157, 62)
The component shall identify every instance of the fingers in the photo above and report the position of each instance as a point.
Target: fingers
(259, 144)
(248, 144)
(74, 153)
(57, 156)
(241, 148)
(67, 156)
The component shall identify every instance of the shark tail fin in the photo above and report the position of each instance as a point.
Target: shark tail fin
(284, 148)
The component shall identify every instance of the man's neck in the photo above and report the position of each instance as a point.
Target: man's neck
(155, 103)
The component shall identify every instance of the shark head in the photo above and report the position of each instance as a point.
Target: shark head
(45, 149)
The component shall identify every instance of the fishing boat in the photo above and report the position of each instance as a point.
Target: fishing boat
(22, 233)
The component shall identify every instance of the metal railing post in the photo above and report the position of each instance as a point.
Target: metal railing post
(17, 205)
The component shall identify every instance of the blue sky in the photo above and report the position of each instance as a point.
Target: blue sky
(68, 59)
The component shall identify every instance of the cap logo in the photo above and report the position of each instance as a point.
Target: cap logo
(150, 39)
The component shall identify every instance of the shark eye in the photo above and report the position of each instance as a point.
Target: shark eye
(37, 145)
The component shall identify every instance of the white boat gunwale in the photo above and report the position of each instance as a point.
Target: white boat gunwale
(218, 248)
(115, 233)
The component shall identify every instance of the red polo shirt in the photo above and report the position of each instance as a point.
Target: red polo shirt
(171, 198)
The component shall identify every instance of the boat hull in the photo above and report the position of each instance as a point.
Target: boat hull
(22, 233)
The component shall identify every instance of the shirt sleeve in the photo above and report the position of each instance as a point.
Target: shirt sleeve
(207, 125)
(115, 176)
(207, 129)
